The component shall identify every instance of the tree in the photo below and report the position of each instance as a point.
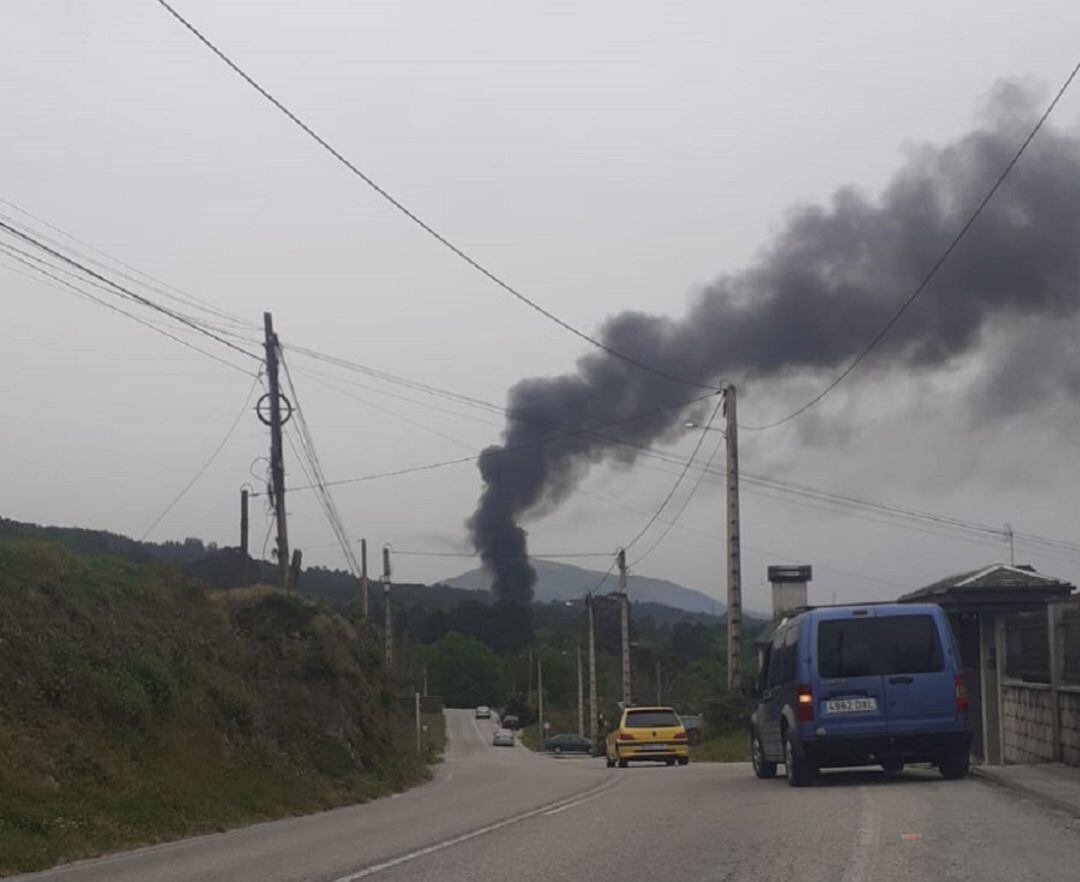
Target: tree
(465, 672)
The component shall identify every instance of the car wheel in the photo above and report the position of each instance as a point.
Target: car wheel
(669, 762)
(955, 764)
(556, 750)
(684, 760)
(799, 771)
(762, 767)
(893, 766)
(623, 764)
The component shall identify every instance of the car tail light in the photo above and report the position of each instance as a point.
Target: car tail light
(804, 703)
(626, 736)
(961, 694)
(680, 736)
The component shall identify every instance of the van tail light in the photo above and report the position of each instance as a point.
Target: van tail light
(626, 736)
(680, 736)
(961, 694)
(804, 703)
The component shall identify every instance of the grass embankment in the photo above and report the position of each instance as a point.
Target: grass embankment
(138, 706)
(727, 747)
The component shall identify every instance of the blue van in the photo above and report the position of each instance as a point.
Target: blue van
(861, 685)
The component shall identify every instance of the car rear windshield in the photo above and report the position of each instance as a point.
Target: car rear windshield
(878, 646)
(651, 719)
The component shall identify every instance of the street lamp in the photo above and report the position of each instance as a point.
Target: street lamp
(693, 425)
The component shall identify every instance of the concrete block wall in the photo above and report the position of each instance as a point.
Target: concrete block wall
(1070, 726)
(1027, 720)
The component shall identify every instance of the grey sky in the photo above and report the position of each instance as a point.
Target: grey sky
(601, 156)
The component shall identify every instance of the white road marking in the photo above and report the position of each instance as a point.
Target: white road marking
(866, 837)
(482, 831)
(480, 734)
(570, 805)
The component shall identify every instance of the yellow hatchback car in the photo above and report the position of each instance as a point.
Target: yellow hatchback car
(647, 733)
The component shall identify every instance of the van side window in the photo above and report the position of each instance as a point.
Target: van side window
(777, 662)
(791, 655)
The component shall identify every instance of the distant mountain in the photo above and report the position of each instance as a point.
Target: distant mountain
(560, 582)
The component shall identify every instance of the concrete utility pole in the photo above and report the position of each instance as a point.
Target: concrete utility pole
(624, 625)
(540, 696)
(734, 563)
(580, 697)
(244, 535)
(388, 624)
(277, 461)
(594, 713)
(363, 580)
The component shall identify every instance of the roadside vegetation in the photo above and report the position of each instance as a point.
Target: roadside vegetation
(139, 705)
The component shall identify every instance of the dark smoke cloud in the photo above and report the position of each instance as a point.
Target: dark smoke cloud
(811, 301)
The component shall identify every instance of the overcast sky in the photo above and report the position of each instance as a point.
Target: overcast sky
(600, 156)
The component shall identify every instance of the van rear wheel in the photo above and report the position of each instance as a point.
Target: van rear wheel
(762, 767)
(892, 766)
(800, 771)
(955, 764)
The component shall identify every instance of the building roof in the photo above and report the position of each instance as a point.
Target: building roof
(1001, 583)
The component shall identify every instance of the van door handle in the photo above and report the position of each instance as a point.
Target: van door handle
(901, 679)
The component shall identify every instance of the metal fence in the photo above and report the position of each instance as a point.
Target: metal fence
(1027, 647)
(1069, 637)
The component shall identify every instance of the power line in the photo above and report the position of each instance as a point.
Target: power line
(701, 440)
(205, 465)
(506, 450)
(145, 301)
(33, 262)
(675, 520)
(417, 220)
(880, 335)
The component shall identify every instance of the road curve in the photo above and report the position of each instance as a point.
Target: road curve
(494, 814)
(475, 787)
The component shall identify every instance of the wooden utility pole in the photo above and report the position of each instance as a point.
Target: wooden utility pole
(580, 697)
(277, 461)
(294, 569)
(734, 563)
(388, 622)
(246, 577)
(540, 696)
(624, 626)
(363, 580)
(594, 713)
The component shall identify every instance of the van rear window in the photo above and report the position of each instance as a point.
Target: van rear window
(651, 719)
(878, 647)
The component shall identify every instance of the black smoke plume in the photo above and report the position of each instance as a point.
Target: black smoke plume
(817, 293)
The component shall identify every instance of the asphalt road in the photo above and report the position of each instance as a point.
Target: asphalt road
(502, 813)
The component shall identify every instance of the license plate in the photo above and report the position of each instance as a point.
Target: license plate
(653, 747)
(850, 705)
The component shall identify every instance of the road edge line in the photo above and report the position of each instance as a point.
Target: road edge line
(418, 853)
(1030, 793)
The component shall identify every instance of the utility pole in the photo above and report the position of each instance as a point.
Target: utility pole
(425, 681)
(659, 689)
(624, 625)
(277, 461)
(418, 722)
(734, 563)
(594, 714)
(388, 629)
(580, 696)
(294, 569)
(244, 535)
(540, 696)
(364, 581)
